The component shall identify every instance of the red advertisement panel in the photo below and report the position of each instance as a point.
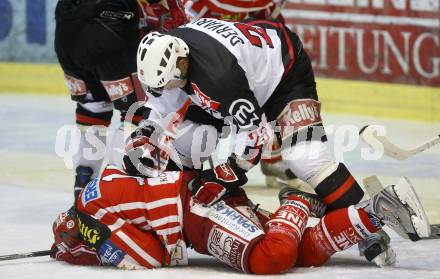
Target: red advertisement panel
(394, 41)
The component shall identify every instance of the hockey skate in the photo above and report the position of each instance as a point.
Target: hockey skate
(399, 207)
(318, 207)
(376, 248)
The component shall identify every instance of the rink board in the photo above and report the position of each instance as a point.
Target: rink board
(412, 102)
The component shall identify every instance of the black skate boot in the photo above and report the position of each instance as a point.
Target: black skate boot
(83, 176)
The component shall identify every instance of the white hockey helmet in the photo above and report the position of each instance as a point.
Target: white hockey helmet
(157, 59)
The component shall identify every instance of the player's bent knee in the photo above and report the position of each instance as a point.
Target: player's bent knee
(273, 254)
(315, 261)
(312, 250)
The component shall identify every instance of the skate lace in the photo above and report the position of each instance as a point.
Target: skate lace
(318, 207)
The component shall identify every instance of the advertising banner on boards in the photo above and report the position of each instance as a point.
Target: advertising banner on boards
(395, 41)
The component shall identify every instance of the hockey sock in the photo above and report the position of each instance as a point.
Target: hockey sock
(337, 231)
(277, 250)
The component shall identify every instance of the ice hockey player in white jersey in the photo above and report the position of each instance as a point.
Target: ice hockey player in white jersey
(246, 74)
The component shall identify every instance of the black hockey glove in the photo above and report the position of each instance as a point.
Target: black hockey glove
(147, 151)
(211, 185)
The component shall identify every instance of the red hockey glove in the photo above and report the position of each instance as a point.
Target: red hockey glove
(78, 255)
(147, 151)
(178, 16)
(212, 184)
(174, 17)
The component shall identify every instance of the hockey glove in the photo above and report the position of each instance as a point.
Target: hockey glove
(178, 16)
(147, 151)
(211, 185)
(80, 254)
(174, 17)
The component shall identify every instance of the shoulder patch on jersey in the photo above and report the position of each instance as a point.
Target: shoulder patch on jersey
(299, 114)
(91, 192)
(77, 87)
(117, 89)
(244, 113)
(205, 101)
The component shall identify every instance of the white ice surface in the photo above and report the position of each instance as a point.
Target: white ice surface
(35, 186)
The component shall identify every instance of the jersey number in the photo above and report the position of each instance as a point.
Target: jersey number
(254, 34)
(110, 177)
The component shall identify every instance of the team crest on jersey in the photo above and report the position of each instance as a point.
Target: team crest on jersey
(91, 192)
(243, 112)
(205, 101)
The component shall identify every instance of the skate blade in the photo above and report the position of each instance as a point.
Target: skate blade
(435, 232)
(407, 195)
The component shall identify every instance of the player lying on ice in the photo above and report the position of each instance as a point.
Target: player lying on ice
(135, 222)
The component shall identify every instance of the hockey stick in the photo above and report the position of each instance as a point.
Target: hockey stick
(26, 255)
(277, 11)
(371, 135)
(374, 186)
(211, 162)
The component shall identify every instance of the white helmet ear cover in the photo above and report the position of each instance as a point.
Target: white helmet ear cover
(157, 59)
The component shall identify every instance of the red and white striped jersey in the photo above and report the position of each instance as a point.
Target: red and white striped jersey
(134, 209)
(225, 9)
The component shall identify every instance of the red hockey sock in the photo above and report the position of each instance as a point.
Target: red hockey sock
(277, 250)
(337, 231)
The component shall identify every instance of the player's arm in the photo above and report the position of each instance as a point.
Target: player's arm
(68, 245)
(150, 146)
(80, 239)
(244, 117)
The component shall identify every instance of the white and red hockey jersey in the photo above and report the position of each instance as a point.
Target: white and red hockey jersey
(226, 9)
(133, 222)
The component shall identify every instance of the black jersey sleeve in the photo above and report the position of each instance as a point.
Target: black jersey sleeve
(217, 82)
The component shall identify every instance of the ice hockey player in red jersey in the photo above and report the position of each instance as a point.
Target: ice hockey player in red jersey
(96, 42)
(134, 222)
(233, 10)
